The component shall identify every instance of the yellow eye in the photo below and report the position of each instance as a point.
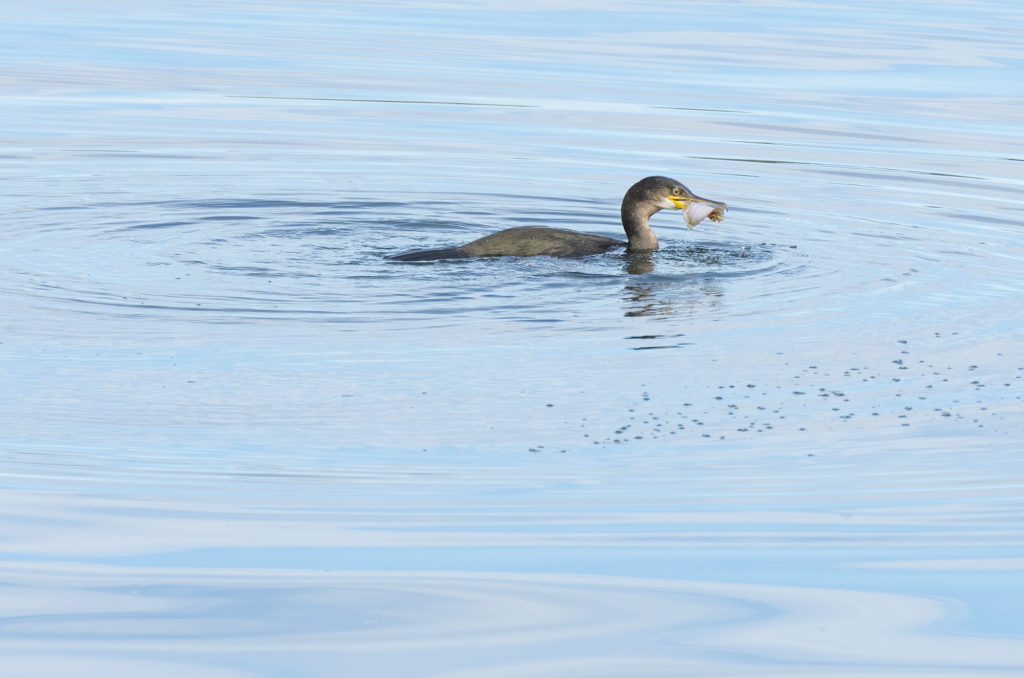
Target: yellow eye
(675, 191)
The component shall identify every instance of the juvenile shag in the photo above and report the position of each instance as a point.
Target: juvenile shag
(643, 199)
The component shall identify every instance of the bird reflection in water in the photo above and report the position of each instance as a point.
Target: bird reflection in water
(665, 298)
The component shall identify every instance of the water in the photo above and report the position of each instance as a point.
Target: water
(238, 441)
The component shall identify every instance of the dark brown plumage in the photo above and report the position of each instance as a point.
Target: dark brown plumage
(643, 199)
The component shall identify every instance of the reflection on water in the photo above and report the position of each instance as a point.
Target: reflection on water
(638, 263)
(666, 299)
(687, 279)
(238, 441)
(384, 624)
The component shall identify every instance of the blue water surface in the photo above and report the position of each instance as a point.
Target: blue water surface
(238, 440)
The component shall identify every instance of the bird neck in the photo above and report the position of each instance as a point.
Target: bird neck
(635, 221)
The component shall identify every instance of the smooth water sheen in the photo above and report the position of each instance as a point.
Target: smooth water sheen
(237, 440)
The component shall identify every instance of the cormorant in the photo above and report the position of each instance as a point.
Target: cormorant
(643, 199)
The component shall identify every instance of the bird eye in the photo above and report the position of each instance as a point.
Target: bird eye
(675, 191)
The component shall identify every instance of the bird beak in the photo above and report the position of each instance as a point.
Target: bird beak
(696, 209)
